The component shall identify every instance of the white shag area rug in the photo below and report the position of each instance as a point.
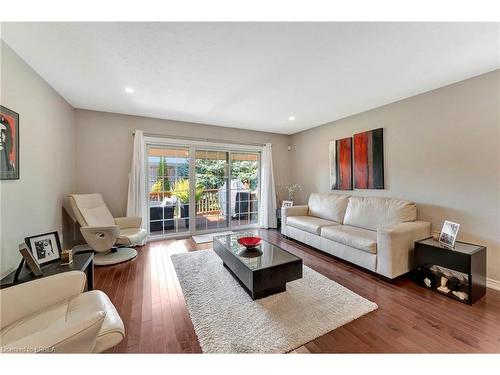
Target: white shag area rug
(227, 320)
(203, 238)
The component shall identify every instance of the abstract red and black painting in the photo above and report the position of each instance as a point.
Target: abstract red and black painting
(341, 164)
(9, 144)
(369, 159)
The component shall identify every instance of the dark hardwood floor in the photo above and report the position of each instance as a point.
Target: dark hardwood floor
(410, 319)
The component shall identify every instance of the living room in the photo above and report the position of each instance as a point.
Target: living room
(249, 188)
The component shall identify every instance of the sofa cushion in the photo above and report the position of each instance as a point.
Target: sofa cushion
(374, 212)
(359, 238)
(90, 210)
(34, 323)
(309, 224)
(328, 206)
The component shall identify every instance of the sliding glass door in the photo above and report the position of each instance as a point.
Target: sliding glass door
(244, 190)
(194, 189)
(211, 180)
(168, 190)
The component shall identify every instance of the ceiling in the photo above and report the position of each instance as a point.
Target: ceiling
(251, 75)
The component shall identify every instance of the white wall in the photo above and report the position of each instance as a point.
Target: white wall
(442, 151)
(104, 149)
(32, 204)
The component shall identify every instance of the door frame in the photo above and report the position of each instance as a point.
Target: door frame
(192, 146)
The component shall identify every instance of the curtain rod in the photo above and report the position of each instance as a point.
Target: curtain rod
(156, 135)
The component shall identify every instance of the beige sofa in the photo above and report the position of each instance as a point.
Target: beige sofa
(375, 233)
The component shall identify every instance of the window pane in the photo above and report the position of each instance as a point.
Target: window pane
(211, 184)
(245, 177)
(168, 193)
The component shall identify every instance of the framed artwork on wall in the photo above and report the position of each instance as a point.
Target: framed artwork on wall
(369, 159)
(341, 164)
(9, 144)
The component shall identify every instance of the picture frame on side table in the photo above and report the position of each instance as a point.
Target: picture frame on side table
(286, 204)
(30, 260)
(46, 248)
(449, 233)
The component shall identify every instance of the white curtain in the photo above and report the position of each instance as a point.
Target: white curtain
(267, 217)
(136, 202)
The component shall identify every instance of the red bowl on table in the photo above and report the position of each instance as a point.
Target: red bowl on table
(249, 241)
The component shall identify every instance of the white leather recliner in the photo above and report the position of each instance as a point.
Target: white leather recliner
(53, 315)
(102, 232)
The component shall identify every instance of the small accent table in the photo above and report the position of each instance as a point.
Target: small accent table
(82, 261)
(262, 271)
(459, 272)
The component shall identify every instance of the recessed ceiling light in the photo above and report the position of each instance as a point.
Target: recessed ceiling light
(129, 90)
(291, 118)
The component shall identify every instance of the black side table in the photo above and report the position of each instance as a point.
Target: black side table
(82, 261)
(461, 269)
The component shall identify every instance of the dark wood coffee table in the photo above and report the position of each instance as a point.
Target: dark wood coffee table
(262, 271)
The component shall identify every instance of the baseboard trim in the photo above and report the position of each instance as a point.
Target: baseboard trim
(492, 284)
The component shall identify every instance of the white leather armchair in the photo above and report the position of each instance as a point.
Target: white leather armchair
(53, 315)
(102, 232)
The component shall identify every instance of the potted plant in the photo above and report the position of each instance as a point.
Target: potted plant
(291, 189)
(181, 191)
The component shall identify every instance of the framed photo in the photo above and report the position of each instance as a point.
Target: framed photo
(9, 144)
(45, 248)
(449, 233)
(30, 261)
(287, 204)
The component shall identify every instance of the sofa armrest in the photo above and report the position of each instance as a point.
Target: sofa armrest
(128, 222)
(395, 245)
(66, 336)
(25, 299)
(295, 211)
(302, 210)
